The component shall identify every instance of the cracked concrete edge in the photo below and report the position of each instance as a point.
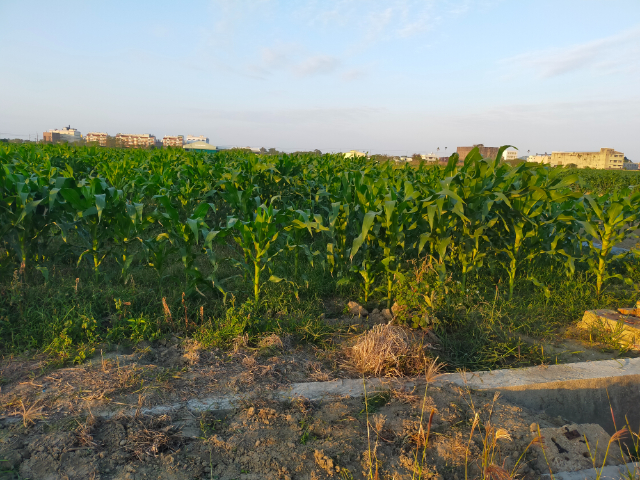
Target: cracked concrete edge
(619, 472)
(490, 380)
(493, 380)
(521, 377)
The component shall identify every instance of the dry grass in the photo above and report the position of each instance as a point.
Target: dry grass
(29, 414)
(192, 351)
(240, 341)
(272, 341)
(150, 436)
(84, 432)
(316, 373)
(387, 350)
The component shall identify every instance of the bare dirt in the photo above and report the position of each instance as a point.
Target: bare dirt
(92, 421)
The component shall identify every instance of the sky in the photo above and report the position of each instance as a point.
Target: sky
(394, 76)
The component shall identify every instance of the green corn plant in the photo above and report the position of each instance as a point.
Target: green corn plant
(397, 217)
(302, 223)
(606, 221)
(366, 268)
(23, 211)
(439, 216)
(338, 252)
(476, 184)
(127, 228)
(258, 239)
(157, 251)
(213, 280)
(185, 235)
(94, 207)
(523, 213)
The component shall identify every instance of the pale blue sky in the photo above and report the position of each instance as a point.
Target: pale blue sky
(395, 76)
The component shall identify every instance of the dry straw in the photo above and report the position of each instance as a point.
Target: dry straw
(387, 350)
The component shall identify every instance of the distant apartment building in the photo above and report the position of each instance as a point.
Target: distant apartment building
(486, 152)
(172, 141)
(135, 140)
(606, 158)
(509, 155)
(96, 137)
(66, 134)
(192, 138)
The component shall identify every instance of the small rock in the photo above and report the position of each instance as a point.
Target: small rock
(251, 411)
(357, 309)
(123, 442)
(375, 311)
(386, 313)
(395, 308)
(533, 427)
(257, 443)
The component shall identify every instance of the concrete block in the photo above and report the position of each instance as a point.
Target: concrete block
(620, 472)
(571, 447)
(627, 326)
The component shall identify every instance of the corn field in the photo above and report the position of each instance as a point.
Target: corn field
(358, 219)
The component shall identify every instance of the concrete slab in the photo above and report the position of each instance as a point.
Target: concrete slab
(612, 322)
(579, 392)
(571, 448)
(628, 471)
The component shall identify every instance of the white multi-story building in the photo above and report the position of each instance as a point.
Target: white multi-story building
(66, 134)
(509, 155)
(192, 138)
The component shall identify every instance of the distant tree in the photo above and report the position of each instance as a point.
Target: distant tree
(416, 157)
(571, 165)
(272, 151)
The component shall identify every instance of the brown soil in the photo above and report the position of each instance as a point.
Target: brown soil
(279, 440)
(86, 422)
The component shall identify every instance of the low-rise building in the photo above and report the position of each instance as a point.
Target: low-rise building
(135, 140)
(430, 157)
(544, 158)
(486, 152)
(201, 146)
(172, 141)
(192, 138)
(629, 165)
(354, 153)
(66, 134)
(606, 158)
(96, 137)
(508, 155)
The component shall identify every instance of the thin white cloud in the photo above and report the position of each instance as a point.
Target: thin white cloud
(318, 65)
(294, 60)
(614, 51)
(354, 74)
